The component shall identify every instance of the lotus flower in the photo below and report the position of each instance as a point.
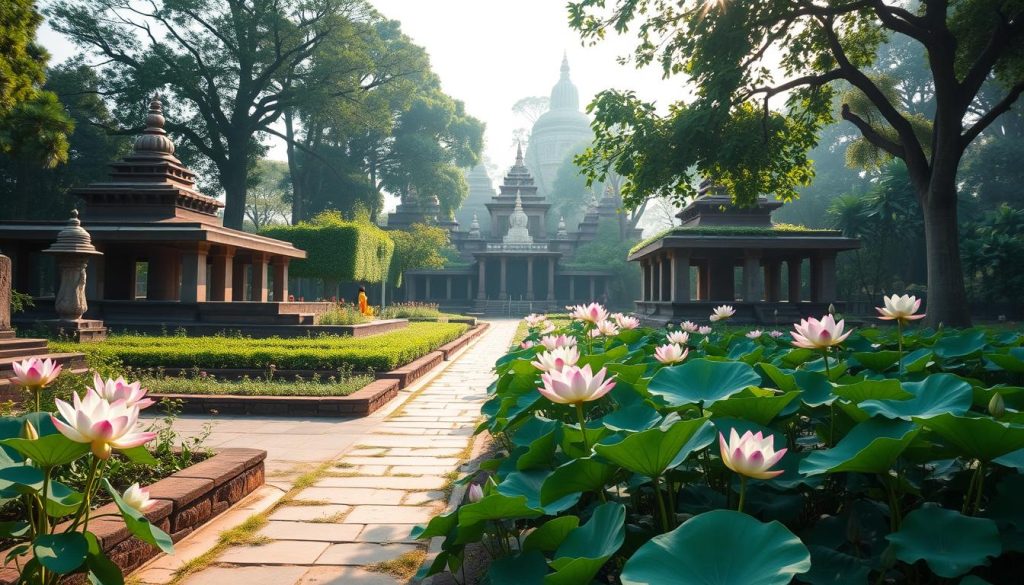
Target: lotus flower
(776, 334)
(688, 326)
(678, 337)
(105, 426)
(814, 334)
(526, 345)
(533, 319)
(670, 353)
(754, 333)
(722, 312)
(607, 328)
(137, 498)
(556, 359)
(35, 373)
(900, 308)
(575, 385)
(704, 330)
(551, 342)
(626, 321)
(113, 390)
(750, 455)
(592, 313)
(476, 493)
(546, 327)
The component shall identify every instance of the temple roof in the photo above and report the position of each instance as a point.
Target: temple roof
(564, 95)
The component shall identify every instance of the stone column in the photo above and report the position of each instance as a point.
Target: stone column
(753, 288)
(572, 289)
(551, 278)
(529, 278)
(222, 275)
(164, 270)
(95, 278)
(280, 264)
(238, 281)
(448, 288)
(643, 280)
(410, 287)
(469, 288)
(6, 332)
(259, 277)
(503, 287)
(772, 281)
(652, 294)
(481, 290)
(680, 292)
(721, 280)
(193, 274)
(823, 278)
(593, 291)
(793, 267)
(426, 287)
(703, 281)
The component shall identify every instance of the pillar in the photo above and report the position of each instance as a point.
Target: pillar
(280, 264)
(164, 268)
(426, 287)
(772, 281)
(794, 268)
(753, 287)
(721, 280)
(551, 278)
(572, 289)
(680, 292)
(222, 274)
(193, 274)
(643, 280)
(823, 278)
(410, 287)
(651, 294)
(529, 278)
(481, 290)
(469, 288)
(259, 278)
(503, 287)
(448, 288)
(238, 281)
(593, 291)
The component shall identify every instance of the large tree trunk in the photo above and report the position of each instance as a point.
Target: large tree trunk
(947, 296)
(235, 190)
(298, 211)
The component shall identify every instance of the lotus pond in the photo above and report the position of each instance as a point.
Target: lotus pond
(901, 464)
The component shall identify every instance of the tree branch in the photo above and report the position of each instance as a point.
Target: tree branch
(997, 110)
(986, 60)
(872, 135)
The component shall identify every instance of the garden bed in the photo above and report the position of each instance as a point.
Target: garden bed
(185, 501)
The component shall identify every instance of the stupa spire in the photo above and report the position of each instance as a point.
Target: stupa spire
(154, 138)
(519, 154)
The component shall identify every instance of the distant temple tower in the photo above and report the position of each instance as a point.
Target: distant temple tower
(557, 132)
(481, 191)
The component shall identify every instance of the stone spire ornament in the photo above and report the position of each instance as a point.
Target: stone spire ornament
(154, 138)
(72, 251)
(563, 232)
(518, 222)
(519, 154)
(474, 228)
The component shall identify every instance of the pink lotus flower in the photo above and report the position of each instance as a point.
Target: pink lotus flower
(626, 321)
(689, 326)
(900, 308)
(814, 334)
(722, 312)
(575, 385)
(776, 334)
(670, 353)
(557, 359)
(754, 333)
(750, 455)
(526, 345)
(546, 327)
(704, 330)
(678, 337)
(592, 313)
(533, 319)
(551, 342)
(607, 328)
(35, 373)
(105, 426)
(137, 498)
(476, 493)
(113, 390)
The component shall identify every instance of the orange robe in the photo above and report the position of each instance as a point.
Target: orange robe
(364, 307)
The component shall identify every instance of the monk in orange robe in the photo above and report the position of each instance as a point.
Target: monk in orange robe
(364, 306)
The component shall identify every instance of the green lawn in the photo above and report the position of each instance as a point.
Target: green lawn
(255, 386)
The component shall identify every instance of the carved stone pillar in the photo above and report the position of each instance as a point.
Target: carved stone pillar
(6, 331)
(680, 292)
(794, 268)
(529, 278)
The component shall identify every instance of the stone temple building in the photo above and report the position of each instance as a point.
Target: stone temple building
(481, 191)
(557, 132)
(509, 261)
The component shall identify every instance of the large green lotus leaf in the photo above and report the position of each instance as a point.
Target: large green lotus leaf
(1013, 396)
(61, 553)
(62, 501)
(917, 360)
(980, 437)
(935, 395)
(598, 360)
(572, 438)
(755, 408)
(48, 451)
(20, 479)
(1011, 361)
(836, 367)
(829, 567)
(585, 474)
(588, 547)
(551, 534)
(796, 357)
(539, 435)
(497, 507)
(522, 569)
(1014, 459)
(872, 390)
(783, 379)
(702, 381)
(439, 525)
(650, 453)
(746, 351)
(871, 447)
(815, 388)
(528, 484)
(703, 551)
(952, 544)
(638, 416)
(627, 373)
(878, 361)
(958, 346)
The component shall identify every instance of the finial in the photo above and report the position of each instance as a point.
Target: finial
(565, 64)
(519, 153)
(154, 137)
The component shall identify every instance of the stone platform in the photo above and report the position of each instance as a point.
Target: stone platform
(17, 349)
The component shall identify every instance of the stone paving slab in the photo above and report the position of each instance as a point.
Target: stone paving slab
(390, 515)
(308, 513)
(343, 576)
(352, 495)
(281, 552)
(310, 531)
(362, 553)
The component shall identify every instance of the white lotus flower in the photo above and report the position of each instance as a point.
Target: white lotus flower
(722, 312)
(670, 353)
(678, 337)
(556, 359)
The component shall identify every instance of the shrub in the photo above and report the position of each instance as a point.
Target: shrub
(338, 250)
(412, 311)
(342, 314)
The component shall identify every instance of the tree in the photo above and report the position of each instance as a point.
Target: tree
(421, 246)
(265, 205)
(731, 132)
(529, 109)
(231, 68)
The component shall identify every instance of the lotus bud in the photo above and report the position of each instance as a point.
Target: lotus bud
(28, 431)
(476, 493)
(997, 406)
(831, 309)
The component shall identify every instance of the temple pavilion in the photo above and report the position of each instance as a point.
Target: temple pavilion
(162, 243)
(692, 268)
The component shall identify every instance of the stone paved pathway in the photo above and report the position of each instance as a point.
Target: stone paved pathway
(360, 512)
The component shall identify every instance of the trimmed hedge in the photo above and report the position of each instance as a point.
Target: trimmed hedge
(337, 249)
(379, 353)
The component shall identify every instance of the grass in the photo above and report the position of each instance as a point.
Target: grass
(402, 568)
(521, 331)
(208, 385)
(412, 311)
(342, 315)
(779, 229)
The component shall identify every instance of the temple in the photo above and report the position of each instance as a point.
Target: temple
(161, 242)
(692, 268)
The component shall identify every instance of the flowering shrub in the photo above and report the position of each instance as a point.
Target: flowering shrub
(825, 454)
(54, 528)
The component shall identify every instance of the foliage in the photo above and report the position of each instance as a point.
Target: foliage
(897, 470)
(778, 229)
(386, 351)
(992, 250)
(413, 310)
(20, 301)
(608, 251)
(570, 193)
(265, 205)
(421, 246)
(338, 249)
(342, 384)
(342, 314)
